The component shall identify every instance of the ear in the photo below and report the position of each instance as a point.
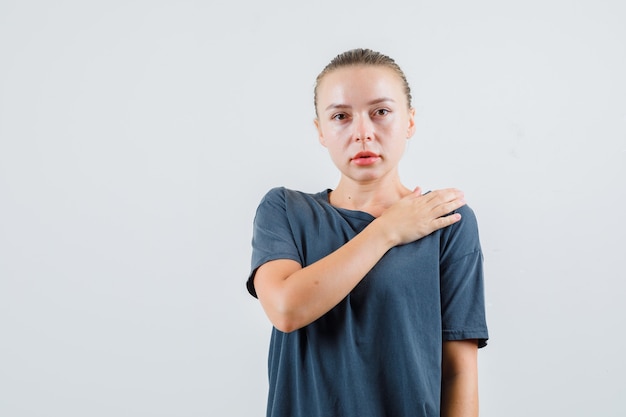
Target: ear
(320, 134)
(411, 129)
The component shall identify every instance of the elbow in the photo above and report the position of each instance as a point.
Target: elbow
(286, 321)
(287, 312)
(286, 317)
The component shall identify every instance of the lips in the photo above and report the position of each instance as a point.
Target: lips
(365, 158)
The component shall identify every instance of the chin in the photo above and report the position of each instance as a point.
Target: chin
(366, 177)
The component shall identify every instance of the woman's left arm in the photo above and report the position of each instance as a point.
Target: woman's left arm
(459, 384)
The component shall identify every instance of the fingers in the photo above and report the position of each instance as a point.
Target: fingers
(444, 201)
(441, 204)
(419, 215)
(444, 195)
(446, 221)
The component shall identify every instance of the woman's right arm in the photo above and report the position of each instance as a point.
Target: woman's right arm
(294, 297)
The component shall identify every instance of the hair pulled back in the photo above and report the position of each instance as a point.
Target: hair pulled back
(360, 56)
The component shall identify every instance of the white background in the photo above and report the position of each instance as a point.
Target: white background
(137, 137)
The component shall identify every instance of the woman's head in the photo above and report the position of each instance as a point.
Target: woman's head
(364, 115)
(362, 57)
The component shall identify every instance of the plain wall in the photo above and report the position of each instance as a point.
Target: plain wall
(137, 138)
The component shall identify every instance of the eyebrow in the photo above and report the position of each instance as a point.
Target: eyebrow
(346, 106)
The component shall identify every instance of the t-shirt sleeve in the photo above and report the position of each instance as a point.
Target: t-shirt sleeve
(272, 237)
(462, 286)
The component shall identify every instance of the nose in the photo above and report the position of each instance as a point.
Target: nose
(363, 129)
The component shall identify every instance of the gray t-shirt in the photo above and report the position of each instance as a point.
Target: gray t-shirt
(378, 352)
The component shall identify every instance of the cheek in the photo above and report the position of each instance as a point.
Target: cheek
(340, 129)
(401, 128)
(338, 136)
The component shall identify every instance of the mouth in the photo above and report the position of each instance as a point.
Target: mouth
(365, 158)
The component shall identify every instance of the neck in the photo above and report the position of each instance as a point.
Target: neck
(372, 198)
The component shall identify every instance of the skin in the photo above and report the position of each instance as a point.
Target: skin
(364, 121)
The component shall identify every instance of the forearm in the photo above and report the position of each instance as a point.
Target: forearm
(459, 386)
(306, 294)
(459, 396)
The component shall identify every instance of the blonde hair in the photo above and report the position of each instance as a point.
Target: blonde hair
(360, 56)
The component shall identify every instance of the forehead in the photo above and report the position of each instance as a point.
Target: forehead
(363, 82)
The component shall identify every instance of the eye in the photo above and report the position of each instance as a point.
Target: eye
(339, 116)
(381, 112)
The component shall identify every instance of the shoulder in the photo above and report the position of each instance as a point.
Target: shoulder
(280, 193)
(288, 197)
(468, 218)
(276, 193)
(462, 237)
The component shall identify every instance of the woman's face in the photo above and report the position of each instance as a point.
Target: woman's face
(364, 121)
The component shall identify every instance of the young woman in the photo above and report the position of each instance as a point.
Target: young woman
(375, 289)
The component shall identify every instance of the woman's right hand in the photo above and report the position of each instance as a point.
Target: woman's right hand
(418, 215)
